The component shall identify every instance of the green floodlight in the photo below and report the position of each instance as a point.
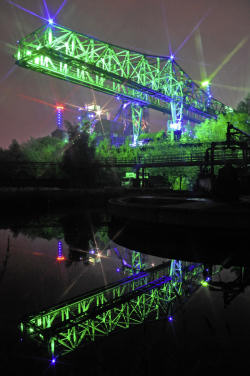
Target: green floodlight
(150, 81)
(204, 283)
(205, 83)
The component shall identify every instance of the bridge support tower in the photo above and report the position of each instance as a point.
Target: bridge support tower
(136, 113)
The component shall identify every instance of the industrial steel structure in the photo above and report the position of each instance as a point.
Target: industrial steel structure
(149, 294)
(138, 79)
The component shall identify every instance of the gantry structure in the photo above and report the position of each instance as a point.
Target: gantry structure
(139, 80)
(152, 294)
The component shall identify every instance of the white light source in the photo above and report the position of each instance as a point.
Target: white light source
(175, 126)
(51, 21)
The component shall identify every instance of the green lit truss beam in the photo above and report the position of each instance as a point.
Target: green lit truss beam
(152, 81)
(147, 295)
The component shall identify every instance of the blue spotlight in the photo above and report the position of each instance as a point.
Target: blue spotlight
(51, 21)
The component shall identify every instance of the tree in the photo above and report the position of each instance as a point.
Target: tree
(44, 149)
(244, 105)
(215, 129)
(15, 152)
(72, 130)
(10, 167)
(79, 161)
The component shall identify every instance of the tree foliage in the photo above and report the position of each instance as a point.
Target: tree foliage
(44, 149)
(215, 129)
(244, 105)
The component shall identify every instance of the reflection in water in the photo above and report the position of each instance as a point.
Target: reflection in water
(126, 292)
(60, 256)
(148, 295)
(233, 288)
(5, 261)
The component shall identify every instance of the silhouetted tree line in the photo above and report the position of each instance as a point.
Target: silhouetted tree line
(63, 159)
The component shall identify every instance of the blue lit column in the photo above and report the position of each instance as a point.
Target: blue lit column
(59, 116)
(60, 256)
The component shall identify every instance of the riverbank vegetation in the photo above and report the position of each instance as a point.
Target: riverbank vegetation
(72, 156)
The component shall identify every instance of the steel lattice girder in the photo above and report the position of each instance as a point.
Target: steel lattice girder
(151, 305)
(152, 81)
(136, 120)
(76, 322)
(82, 304)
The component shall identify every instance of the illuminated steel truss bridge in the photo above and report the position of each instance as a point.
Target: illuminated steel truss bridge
(152, 294)
(138, 79)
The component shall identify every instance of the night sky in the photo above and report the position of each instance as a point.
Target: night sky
(149, 26)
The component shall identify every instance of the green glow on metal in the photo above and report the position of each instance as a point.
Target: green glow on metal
(205, 83)
(148, 295)
(50, 36)
(204, 283)
(52, 346)
(152, 81)
(137, 112)
(136, 262)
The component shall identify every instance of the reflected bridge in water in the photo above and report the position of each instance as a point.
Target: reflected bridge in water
(149, 295)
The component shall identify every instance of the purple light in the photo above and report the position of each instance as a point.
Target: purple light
(46, 8)
(91, 251)
(7, 74)
(60, 256)
(59, 109)
(118, 269)
(51, 21)
(172, 57)
(53, 361)
(26, 10)
(190, 34)
(208, 279)
(170, 318)
(60, 8)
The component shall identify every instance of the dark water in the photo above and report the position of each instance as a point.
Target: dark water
(210, 332)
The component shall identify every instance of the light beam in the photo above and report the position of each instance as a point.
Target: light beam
(46, 8)
(200, 53)
(60, 8)
(26, 10)
(228, 58)
(191, 33)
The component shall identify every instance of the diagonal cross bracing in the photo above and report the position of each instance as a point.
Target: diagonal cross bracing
(146, 295)
(152, 81)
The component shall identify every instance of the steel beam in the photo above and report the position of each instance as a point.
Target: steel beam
(157, 82)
